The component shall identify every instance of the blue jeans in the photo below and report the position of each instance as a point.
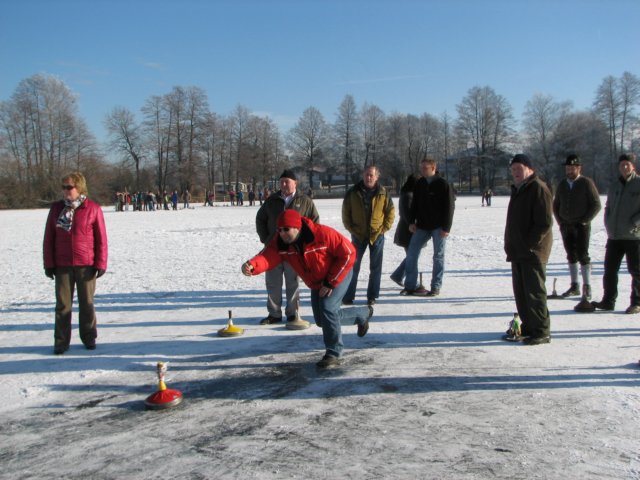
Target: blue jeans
(418, 241)
(375, 266)
(329, 316)
(399, 272)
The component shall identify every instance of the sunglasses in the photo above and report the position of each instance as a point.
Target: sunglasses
(283, 229)
(68, 187)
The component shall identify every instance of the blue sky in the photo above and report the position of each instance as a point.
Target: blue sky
(280, 57)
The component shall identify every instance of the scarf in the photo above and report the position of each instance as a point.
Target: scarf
(65, 220)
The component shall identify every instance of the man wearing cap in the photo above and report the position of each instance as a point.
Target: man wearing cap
(527, 243)
(575, 205)
(324, 260)
(288, 197)
(367, 213)
(622, 220)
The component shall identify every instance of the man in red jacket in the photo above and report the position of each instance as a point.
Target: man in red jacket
(324, 259)
(75, 254)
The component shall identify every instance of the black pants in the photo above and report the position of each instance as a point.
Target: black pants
(530, 292)
(615, 251)
(575, 238)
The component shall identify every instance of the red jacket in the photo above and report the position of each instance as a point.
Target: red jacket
(321, 255)
(86, 243)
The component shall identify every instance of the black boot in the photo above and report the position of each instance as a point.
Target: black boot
(574, 289)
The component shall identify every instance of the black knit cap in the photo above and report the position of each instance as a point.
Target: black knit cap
(523, 159)
(572, 159)
(627, 157)
(289, 174)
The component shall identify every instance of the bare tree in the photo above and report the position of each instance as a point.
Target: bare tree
(542, 118)
(345, 130)
(608, 105)
(629, 87)
(125, 137)
(158, 134)
(372, 126)
(586, 134)
(42, 137)
(307, 137)
(485, 119)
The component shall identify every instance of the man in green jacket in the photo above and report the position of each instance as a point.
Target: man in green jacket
(367, 213)
(622, 219)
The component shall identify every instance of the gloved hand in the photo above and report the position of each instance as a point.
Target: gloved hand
(50, 272)
(99, 272)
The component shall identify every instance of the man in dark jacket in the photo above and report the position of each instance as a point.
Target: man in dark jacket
(431, 216)
(324, 259)
(75, 254)
(575, 204)
(288, 197)
(527, 243)
(622, 219)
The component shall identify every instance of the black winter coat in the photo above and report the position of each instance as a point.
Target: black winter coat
(527, 234)
(402, 236)
(433, 204)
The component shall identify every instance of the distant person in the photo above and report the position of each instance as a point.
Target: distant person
(186, 198)
(402, 236)
(431, 217)
(174, 200)
(287, 198)
(367, 213)
(575, 205)
(252, 198)
(622, 219)
(75, 254)
(240, 198)
(527, 243)
(488, 194)
(324, 260)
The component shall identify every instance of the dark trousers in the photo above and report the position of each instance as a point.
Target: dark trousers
(84, 281)
(530, 293)
(615, 251)
(575, 238)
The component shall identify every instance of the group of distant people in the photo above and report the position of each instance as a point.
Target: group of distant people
(149, 201)
(297, 246)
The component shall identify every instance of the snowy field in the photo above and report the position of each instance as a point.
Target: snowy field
(431, 392)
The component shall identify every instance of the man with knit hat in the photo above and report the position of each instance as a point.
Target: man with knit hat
(575, 204)
(288, 197)
(324, 260)
(527, 243)
(622, 220)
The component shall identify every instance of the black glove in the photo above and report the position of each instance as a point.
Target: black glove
(99, 272)
(50, 272)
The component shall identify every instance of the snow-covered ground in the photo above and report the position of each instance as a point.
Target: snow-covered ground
(430, 392)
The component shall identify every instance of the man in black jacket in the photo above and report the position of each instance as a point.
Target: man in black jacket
(431, 216)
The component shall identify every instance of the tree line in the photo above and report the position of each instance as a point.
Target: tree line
(176, 142)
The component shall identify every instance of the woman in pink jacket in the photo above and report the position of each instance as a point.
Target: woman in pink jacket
(75, 254)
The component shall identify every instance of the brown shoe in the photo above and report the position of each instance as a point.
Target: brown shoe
(632, 309)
